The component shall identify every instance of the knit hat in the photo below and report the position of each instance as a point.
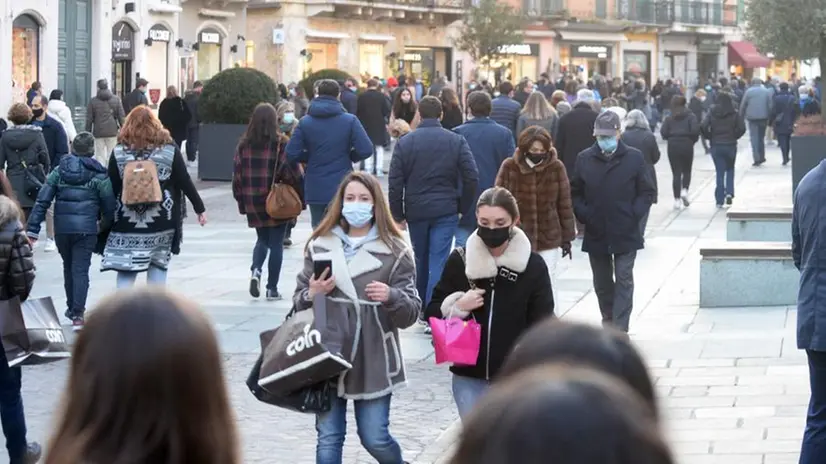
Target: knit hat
(84, 144)
(392, 82)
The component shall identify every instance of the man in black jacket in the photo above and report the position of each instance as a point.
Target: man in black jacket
(348, 96)
(193, 130)
(427, 165)
(612, 191)
(373, 110)
(136, 97)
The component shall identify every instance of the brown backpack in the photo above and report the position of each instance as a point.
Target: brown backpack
(283, 202)
(141, 186)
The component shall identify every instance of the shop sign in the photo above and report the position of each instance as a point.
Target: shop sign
(160, 33)
(459, 83)
(210, 37)
(520, 49)
(155, 96)
(414, 57)
(709, 45)
(590, 51)
(122, 42)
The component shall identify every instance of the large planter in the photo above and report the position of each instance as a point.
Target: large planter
(216, 150)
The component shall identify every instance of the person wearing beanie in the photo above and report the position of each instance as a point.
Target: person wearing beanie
(82, 193)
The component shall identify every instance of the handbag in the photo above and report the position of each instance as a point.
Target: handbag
(32, 183)
(456, 341)
(31, 332)
(283, 202)
(315, 399)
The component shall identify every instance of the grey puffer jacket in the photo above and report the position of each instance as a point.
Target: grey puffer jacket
(378, 368)
(16, 260)
(105, 114)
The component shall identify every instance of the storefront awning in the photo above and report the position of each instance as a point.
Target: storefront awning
(326, 35)
(746, 53)
(164, 8)
(603, 37)
(376, 38)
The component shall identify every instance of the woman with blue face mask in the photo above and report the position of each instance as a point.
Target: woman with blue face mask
(287, 121)
(372, 277)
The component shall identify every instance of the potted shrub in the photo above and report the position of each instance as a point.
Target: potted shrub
(790, 30)
(334, 74)
(225, 107)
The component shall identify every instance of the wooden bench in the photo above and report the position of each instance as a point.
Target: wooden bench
(754, 224)
(737, 274)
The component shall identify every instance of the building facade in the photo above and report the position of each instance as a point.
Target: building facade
(291, 39)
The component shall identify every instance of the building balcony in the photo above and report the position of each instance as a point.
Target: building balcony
(412, 11)
(664, 13)
(698, 13)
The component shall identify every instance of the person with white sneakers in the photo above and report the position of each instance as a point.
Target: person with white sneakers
(681, 130)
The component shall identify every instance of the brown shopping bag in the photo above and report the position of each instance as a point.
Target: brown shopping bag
(31, 332)
(310, 347)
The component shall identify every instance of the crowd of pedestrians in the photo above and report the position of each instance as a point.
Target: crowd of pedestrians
(486, 197)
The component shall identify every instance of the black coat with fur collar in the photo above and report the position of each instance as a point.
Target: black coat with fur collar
(517, 296)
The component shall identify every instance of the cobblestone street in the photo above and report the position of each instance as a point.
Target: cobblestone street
(734, 386)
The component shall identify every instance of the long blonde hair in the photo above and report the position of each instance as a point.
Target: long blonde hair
(388, 231)
(538, 108)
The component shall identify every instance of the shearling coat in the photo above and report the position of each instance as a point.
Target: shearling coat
(378, 368)
(544, 197)
(518, 294)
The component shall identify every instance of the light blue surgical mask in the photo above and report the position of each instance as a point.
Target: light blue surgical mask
(356, 213)
(288, 118)
(608, 144)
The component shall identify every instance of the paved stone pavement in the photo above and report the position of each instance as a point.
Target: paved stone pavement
(733, 386)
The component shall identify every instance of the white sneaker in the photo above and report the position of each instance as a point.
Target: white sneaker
(50, 245)
(684, 197)
(678, 204)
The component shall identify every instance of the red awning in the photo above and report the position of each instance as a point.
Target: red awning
(745, 53)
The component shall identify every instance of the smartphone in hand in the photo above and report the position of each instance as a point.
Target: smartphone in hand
(319, 267)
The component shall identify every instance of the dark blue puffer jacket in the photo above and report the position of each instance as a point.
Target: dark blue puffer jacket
(82, 194)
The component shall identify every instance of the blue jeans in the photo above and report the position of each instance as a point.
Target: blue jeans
(154, 276)
(461, 235)
(432, 240)
(76, 251)
(467, 391)
(757, 135)
(317, 214)
(813, 449)
(11, 412)
(785, 143)
(724, 156)
(372, 422)
(270, 239)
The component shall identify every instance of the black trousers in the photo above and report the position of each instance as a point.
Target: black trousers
(681, 160)
(192, 136)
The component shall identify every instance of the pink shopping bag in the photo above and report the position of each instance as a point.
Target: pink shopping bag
(456, 341)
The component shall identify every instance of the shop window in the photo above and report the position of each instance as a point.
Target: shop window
(322, 56)
(209, 61)
(25, 51)
(249, 54)
(371, 59)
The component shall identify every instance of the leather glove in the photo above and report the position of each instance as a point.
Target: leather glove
(566, 250)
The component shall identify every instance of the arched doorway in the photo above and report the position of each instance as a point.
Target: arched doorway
(25, 52)
(123, 53)
(209, 53)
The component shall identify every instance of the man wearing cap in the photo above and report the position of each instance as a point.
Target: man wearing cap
(82, 193)
(612, 192)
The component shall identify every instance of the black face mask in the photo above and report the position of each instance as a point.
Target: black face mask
(37, 113)
(537, 158)
(494, 238)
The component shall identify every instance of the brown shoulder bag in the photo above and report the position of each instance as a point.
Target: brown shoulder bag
(283, 202)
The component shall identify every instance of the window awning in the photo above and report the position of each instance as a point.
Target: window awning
(326, 35)
(377, 38)
(602, 37)
(746, 53)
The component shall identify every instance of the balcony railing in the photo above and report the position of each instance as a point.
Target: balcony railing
(428, 3)
(662, 12)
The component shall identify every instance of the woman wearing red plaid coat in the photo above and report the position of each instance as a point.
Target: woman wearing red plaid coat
(258, 158)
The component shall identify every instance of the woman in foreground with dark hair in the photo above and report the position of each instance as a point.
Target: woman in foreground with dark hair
(562, 415)
(603, 349)
(145, 387)
(259, 162)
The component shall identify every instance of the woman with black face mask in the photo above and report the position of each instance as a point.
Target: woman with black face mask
(497, 281)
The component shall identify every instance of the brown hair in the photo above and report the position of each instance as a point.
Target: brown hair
(143, 129)
(534, 134)
(146, 387)
(20, 114)
(553, 414)
(171, 92)
(556, 97)
(388, 230)
(501, 197)
(538, 108)
(449, 98)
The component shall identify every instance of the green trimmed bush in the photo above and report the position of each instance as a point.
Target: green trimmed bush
(230, 96)
(334, 74)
